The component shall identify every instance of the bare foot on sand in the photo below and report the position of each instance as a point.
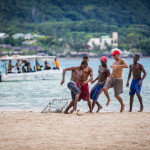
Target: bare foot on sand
(89, 112)
(141, 110)
(130, 111)
(72, 110)
(99, 108)
(122, 108)
(108, 102)
(66, 112)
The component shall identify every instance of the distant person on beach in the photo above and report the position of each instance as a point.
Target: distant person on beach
(136, 69)
(115, 79)
(83, 84)
(103, 73)
(75, 92)
(56, 63)
(47, 66)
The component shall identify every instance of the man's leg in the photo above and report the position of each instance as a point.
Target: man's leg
(121, 102)
(131, 102)
(70, 105)
(141, 102)
(93, 104)
(105, 89)
(99, 106)
(75, 103)
(90, 105)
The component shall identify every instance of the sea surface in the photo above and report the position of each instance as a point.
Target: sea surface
(35, 95)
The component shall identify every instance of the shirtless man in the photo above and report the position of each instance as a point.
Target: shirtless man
(18, 65)
(83, 84)
(103, 73)
(136, 69)
(115, 79)
(75, 77)
(27, 64)
(47, 66)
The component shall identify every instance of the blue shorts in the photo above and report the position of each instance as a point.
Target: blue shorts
(135, 88)
(96, 91)
(73, 88)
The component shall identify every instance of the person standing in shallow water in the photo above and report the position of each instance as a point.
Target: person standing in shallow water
(136, 69)
(115, 79)
(103, 73)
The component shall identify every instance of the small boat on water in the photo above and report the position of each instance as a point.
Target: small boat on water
(34, 74)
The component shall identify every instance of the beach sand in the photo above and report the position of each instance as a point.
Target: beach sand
(22, 130)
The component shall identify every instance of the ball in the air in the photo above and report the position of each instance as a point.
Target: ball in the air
(79, 112)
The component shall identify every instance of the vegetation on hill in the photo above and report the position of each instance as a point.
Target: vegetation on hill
(77, 21)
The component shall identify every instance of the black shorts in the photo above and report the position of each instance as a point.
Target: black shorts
(73, 88)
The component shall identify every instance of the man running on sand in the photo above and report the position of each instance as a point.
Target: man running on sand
(75, 92)
(83, 84)
(103, 73)
(115, 79)
(136, 69)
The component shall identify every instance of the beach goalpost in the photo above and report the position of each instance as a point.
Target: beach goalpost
(55, 106)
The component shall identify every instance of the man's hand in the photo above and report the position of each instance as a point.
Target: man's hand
(79, 86)
(92, 81)
(140, 83)
(115, 66)
(127, 84)
(62, 82)
(85, 82)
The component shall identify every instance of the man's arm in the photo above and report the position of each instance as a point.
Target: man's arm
(144, 75)
(91, 76)
(64, 72)
(129, 76)
(123, 65)
(94, 80)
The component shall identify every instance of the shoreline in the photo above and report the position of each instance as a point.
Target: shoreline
(105, 130)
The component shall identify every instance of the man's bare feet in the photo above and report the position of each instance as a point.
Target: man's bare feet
(141, 110)
(108, 102)
(122, 108)
(89, 112)
(66, 112)
(130, 111)
(72, 110)
(99, 108)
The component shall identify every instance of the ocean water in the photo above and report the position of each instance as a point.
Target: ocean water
(35, 95)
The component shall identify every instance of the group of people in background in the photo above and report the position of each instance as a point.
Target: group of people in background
(27, 66)
(83, 74)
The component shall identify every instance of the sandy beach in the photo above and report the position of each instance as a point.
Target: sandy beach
(22, 130)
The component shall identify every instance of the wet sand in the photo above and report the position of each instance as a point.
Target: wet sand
(22, 130)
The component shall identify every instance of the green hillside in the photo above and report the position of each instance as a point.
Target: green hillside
(76, 21)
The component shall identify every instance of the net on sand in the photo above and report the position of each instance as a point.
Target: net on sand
(55, 106)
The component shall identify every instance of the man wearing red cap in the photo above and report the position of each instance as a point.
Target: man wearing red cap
(103, 73)
(115, 79)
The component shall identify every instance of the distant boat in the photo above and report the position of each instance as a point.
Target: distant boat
(34, 75)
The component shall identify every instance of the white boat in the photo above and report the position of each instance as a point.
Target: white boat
(36, 75)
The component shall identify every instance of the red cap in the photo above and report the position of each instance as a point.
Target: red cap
(103, 58)
(115, 52)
